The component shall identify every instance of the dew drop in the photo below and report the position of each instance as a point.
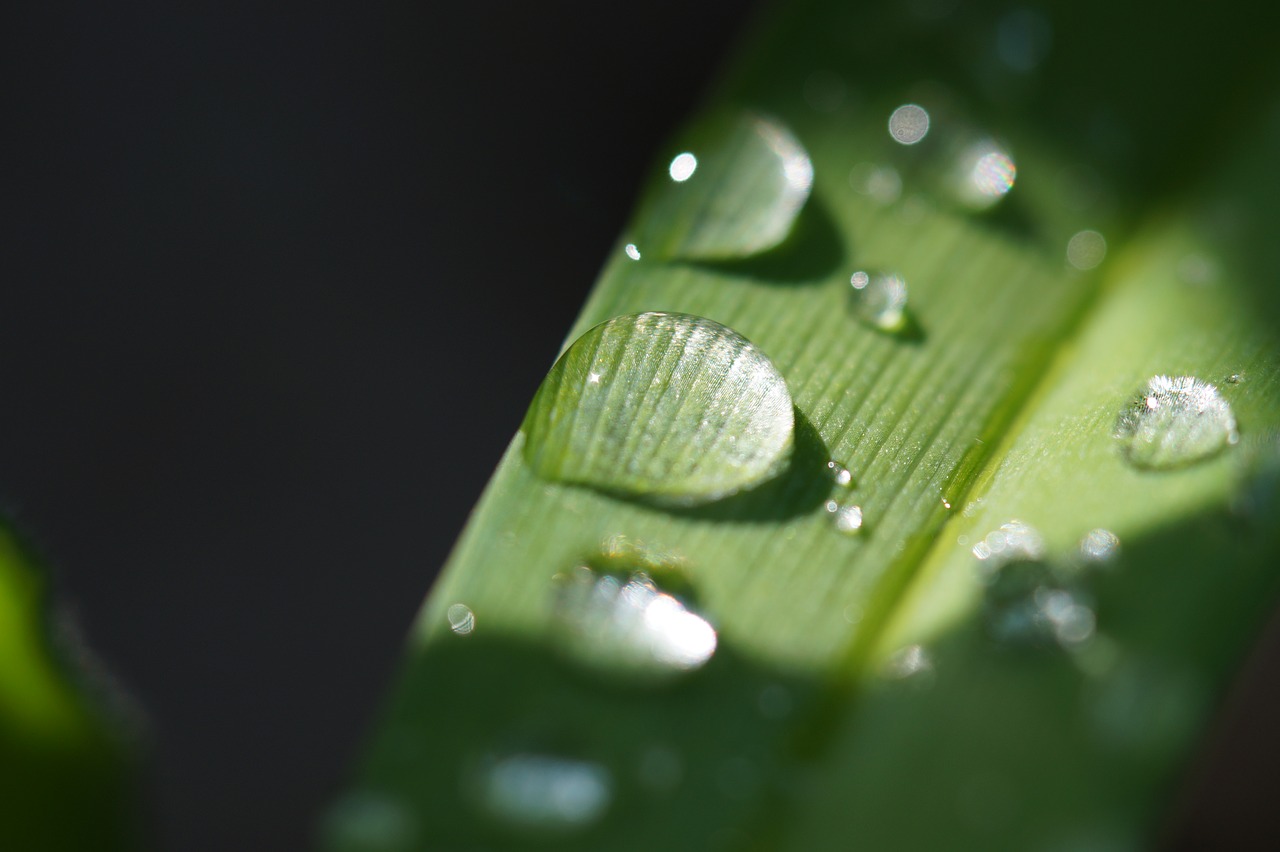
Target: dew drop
(880, 299)
(736, 191)
(545, 792)
(984, 174)
(632, 251)
(908, 124)
(840, 474)
(1175, 422)
(1086, 250)
(462, 620)
(615, 617)
(881, 183)
(846, 519)
(1013, 540)
(671, 408)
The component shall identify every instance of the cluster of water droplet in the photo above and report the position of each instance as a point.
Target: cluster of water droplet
(846, 516)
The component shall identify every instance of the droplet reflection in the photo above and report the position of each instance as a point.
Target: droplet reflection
(545, 792)
(632, 251)
(908, 124)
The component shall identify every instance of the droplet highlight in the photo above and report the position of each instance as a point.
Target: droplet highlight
(632, 251)
(671, 408)
(908, 124)
(984, 174)
(1174, 422)
(880, 299)
(840, 475)
(538, 791)
(615, 616)
(735, 192)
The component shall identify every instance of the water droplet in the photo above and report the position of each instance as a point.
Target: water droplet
(880, 299)
(1174, 422)
(734, 193)
(1029, 603)
(908, 124)
(616, 617)
(544, 792)
(461, 619)
(840, 474)
(1235, 378)
(672, 408)
(846, 519)
(1086, 250)
(1023, 37)
(364, 821)
(632, 251)
(881, 183)
(1099, 546)
(984, 174)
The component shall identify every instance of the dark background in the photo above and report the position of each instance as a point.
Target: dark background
(278, 284)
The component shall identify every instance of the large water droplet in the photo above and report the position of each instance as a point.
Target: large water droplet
(669, 407)
(735, 192)
(544, 792)
(616, 617)
(1174, 422)
(880, 299)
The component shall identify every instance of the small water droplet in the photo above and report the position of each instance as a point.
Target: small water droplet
(632, 251)
(734, 193)
(669, 407)
(364, 821)
(846, 519)
(840, 474)
(1174, 422)
(1086, 250)
(908, 124)
(540, 791)
(617, 618)
(946, 504)
(984, 174)
(1234, 378)
(462, 620)
(881, 183)
(880, 299)
(1013, 540)
(1099, 545)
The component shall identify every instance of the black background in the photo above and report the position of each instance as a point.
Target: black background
(278, 284)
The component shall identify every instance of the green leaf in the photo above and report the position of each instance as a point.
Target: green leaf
(1022, 643)
(65, 780)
